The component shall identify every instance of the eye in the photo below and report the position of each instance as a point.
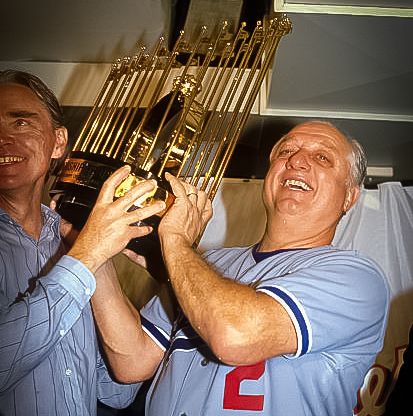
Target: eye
(323, 158)
(21, 122)
(285, 152)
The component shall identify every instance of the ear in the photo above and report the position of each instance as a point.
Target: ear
(60, 142)
(352, 196)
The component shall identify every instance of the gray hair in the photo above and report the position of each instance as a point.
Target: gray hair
(358, 163)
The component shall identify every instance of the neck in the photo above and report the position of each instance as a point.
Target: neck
(24, 208)
(286, 234)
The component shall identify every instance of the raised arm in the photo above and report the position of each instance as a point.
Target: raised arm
(240, 325)
(132, 355)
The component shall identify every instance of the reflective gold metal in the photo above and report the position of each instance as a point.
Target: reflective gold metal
(179, 111)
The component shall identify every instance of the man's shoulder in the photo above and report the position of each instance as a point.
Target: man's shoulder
(227, 252)
(337, 254)
(356, 266)
(224, 258)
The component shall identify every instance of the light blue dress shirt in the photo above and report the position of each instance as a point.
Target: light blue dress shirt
(49, 358)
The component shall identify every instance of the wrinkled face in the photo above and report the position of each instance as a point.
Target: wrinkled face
(309, 174)
(27, 138)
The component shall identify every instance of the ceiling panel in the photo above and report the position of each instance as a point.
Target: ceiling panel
(401, 8)
(333, 63)
(79, 30)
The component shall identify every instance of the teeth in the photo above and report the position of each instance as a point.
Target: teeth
(10, 159)
(296, 184)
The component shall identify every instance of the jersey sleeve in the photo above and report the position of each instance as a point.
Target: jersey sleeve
(336, 303)
(156, 323)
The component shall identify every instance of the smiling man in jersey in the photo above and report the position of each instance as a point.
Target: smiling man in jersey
(288, 326)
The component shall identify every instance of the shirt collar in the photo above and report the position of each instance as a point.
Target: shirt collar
(51, 220)
(262, 255)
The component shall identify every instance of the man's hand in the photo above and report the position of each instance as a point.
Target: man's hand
(109, 226)
(135, 257)
(189, 214)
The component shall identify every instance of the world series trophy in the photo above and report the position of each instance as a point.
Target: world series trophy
(179, 111)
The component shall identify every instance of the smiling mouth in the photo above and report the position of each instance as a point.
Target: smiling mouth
(297, 185)
(4, 160)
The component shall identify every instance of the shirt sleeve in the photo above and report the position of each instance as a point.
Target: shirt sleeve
(111, 393)
(31, 326)
(340, 304)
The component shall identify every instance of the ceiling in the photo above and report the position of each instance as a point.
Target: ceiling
(355, 70)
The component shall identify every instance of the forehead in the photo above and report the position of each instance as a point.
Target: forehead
(316, 134)
(19, 97)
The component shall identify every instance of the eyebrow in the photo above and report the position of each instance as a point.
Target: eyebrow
(286, 138)
(23, 113)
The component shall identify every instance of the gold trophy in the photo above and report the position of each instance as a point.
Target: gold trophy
(179, 111)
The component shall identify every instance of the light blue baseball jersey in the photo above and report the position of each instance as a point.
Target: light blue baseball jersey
(338, 302)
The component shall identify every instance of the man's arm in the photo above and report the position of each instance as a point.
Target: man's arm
(132, 354)
(31, 327)
(240, 325)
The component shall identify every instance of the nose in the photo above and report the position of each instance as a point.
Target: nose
(299, 160)
(5, 136)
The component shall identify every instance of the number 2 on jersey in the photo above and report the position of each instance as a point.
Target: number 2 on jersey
(233, 399)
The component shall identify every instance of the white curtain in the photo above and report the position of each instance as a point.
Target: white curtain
(380, 225)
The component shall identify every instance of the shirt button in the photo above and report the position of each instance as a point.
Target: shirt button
(204, 362)
(62, 332)
(87, 291)
(68, 372)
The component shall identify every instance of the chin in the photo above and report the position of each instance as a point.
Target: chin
(293, 208)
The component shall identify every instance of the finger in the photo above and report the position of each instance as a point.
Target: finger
(191, 191)
(182, 189)
(178, 187)
(193, 197)
(135, 193)
(202, 198)
(138, 231)
(141, 214)
(109, 186)
(135, 257)
(207, 211)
